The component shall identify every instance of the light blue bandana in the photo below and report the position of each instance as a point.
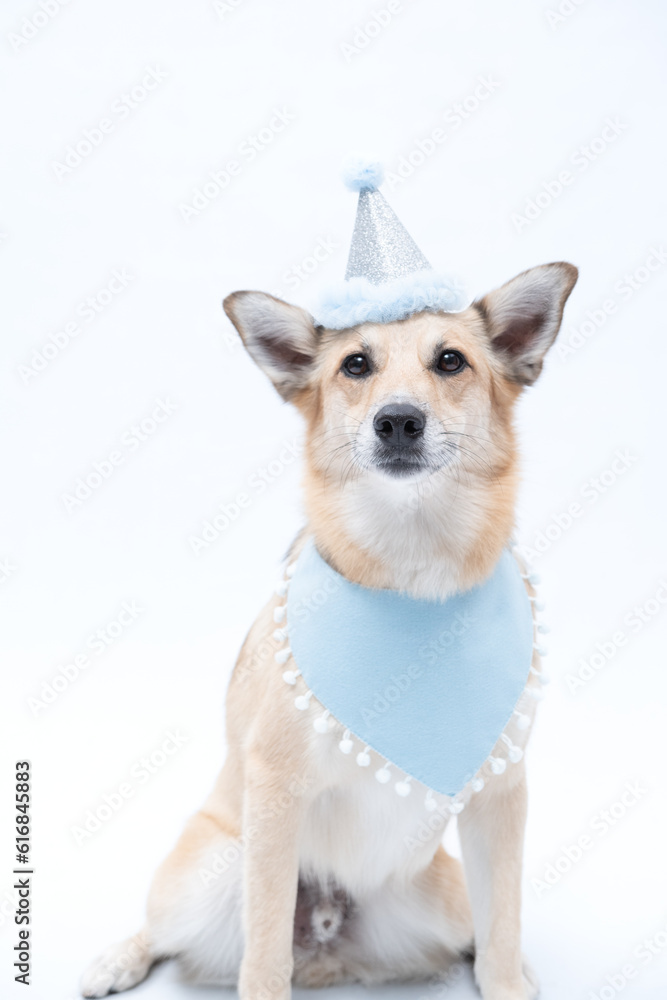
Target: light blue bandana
(428, 685)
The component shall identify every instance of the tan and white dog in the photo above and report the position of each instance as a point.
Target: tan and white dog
(297, 867)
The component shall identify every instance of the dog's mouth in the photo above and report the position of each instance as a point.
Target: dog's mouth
(401, 464)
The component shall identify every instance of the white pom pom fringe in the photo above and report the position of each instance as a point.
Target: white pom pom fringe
(514, 753)
(497, 764)
(322, 724)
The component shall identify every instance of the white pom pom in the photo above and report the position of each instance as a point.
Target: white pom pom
(321, 723)
(383, 775)
(497, 764)
(522, 721)
(282, 656)
(290, 676)
(477, 784)
(543, 628)
(346, 745)
(302, 702)
(290, 569)
(537, 694)
(280, 634)
(514, 754)
(279, 613)
(403, 788)
(429, 802)
(456, 807)
(362, 173)
(282, 588)
(534, 579)
(364, 758)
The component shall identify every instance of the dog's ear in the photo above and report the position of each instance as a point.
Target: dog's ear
(280, 338)
(524, 316)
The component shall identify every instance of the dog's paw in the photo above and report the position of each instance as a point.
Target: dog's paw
(319, 971)
(527, 988)
(530, 980)
(118, 968)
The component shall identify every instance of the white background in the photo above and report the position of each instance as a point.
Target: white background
(165, 337)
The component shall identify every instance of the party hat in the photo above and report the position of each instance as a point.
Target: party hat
(387, 278)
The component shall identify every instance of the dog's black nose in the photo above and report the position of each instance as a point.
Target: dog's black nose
(399, 424)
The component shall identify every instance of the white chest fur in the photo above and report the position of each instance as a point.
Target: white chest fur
(359, 833)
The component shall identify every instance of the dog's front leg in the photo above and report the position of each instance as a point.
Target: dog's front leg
(491, 829)
(274, 805)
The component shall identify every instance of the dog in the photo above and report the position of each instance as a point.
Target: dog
(296, 867)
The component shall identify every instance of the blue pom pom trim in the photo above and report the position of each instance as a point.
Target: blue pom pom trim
(362, 174)
(357, 301)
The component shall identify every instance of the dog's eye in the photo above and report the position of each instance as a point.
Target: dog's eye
(356, 364)
(451, 361)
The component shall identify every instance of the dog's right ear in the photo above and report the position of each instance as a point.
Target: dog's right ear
(280, 338)
(524, 315)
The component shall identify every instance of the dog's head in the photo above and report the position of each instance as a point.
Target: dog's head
(407, 399)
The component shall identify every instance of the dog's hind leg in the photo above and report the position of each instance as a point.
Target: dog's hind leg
(120, 967)
(194, 915)
(194, 905)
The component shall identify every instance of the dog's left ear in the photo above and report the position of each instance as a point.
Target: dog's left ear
(524, 316)
(280, 338)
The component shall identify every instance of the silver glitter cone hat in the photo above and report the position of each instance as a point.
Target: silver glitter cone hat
(387, 278)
